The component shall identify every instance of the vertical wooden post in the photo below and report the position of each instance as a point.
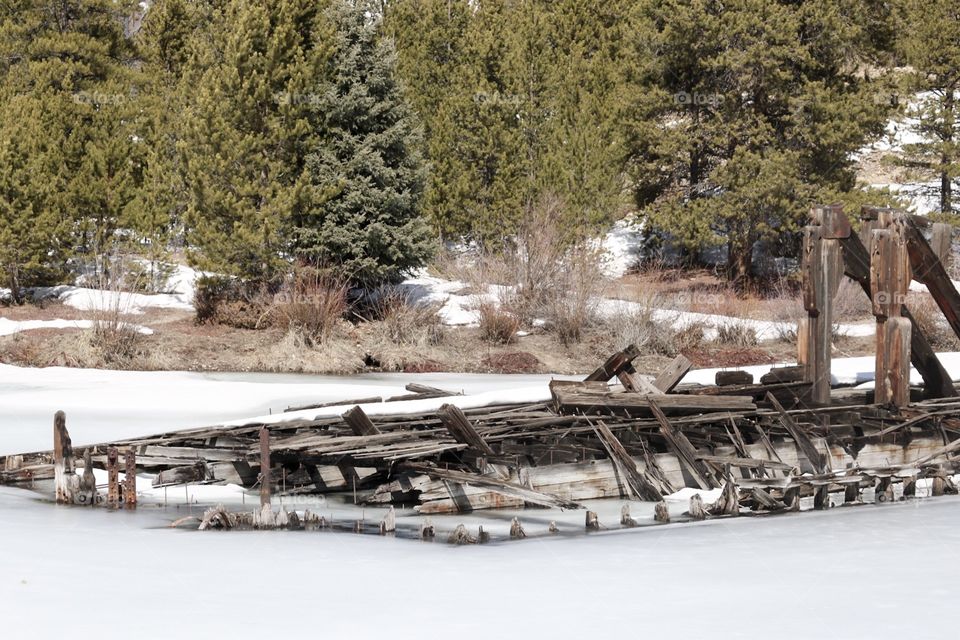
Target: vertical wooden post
(822, 269)
(942, 243)
(889, 280)
(130, 479)
(88, 483)
(64, 473)
(113, 478)
(264, 466)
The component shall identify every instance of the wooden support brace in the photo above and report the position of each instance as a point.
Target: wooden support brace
(672, 374)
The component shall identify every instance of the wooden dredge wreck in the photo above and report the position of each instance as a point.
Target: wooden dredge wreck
(767, 443)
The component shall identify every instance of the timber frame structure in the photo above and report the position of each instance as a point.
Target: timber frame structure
(766, 443)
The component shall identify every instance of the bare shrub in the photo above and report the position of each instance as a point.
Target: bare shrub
(114, 337)
(403, 321)
(737, 334)
(636, 324)
(931, 322)
(851, 303)
(496, 324)
(571, 307)
(312, 304)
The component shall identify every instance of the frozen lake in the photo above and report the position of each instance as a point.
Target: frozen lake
(865, 572)
(108, 405)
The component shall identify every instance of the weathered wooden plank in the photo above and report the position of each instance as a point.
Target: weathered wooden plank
(361, 424)
(806, 445)
(130, 479)
(569, 399)
(928, 269)
(113, 478)
(672, 374)
(462, 431)
(493, 484)
(614, 364)
(681, 446)
(637, 481)
(337, 403)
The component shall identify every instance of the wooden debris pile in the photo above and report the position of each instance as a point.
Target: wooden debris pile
(764, 443)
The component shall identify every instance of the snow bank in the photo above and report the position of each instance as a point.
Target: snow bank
(182, 283)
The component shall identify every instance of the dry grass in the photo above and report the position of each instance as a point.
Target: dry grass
(312, 304)
(931, 321)
(737, 334)
(497, 326)
(404, 322)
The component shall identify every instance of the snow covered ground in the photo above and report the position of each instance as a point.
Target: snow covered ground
(874, 571)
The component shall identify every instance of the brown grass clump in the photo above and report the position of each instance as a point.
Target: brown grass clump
(311, 305)
(402, 321)
(497, 326)
(737, 334)
(931, 321)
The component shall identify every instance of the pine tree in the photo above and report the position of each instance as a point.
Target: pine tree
(930, 44)
(522, 104)
(366, 162)
(67, 171)
(247, 129)
(744, 115)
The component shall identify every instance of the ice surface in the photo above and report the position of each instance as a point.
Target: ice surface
(108, 405)
(866, 572)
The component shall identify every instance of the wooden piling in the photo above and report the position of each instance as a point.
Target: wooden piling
(821, 269)
(890, 276)
(64, 472)
(265, 479)
(661, 513)
(130, 479)
(113, 478)
(87, 494)
(592, 521)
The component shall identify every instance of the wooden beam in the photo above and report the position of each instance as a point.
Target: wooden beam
(928, 269)
(672, 374)
(614, 364)
(684, 450)
(493, 484)
(641, 485)
(462, 431)
(361, 424)
(570, 399)
(806, 445)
